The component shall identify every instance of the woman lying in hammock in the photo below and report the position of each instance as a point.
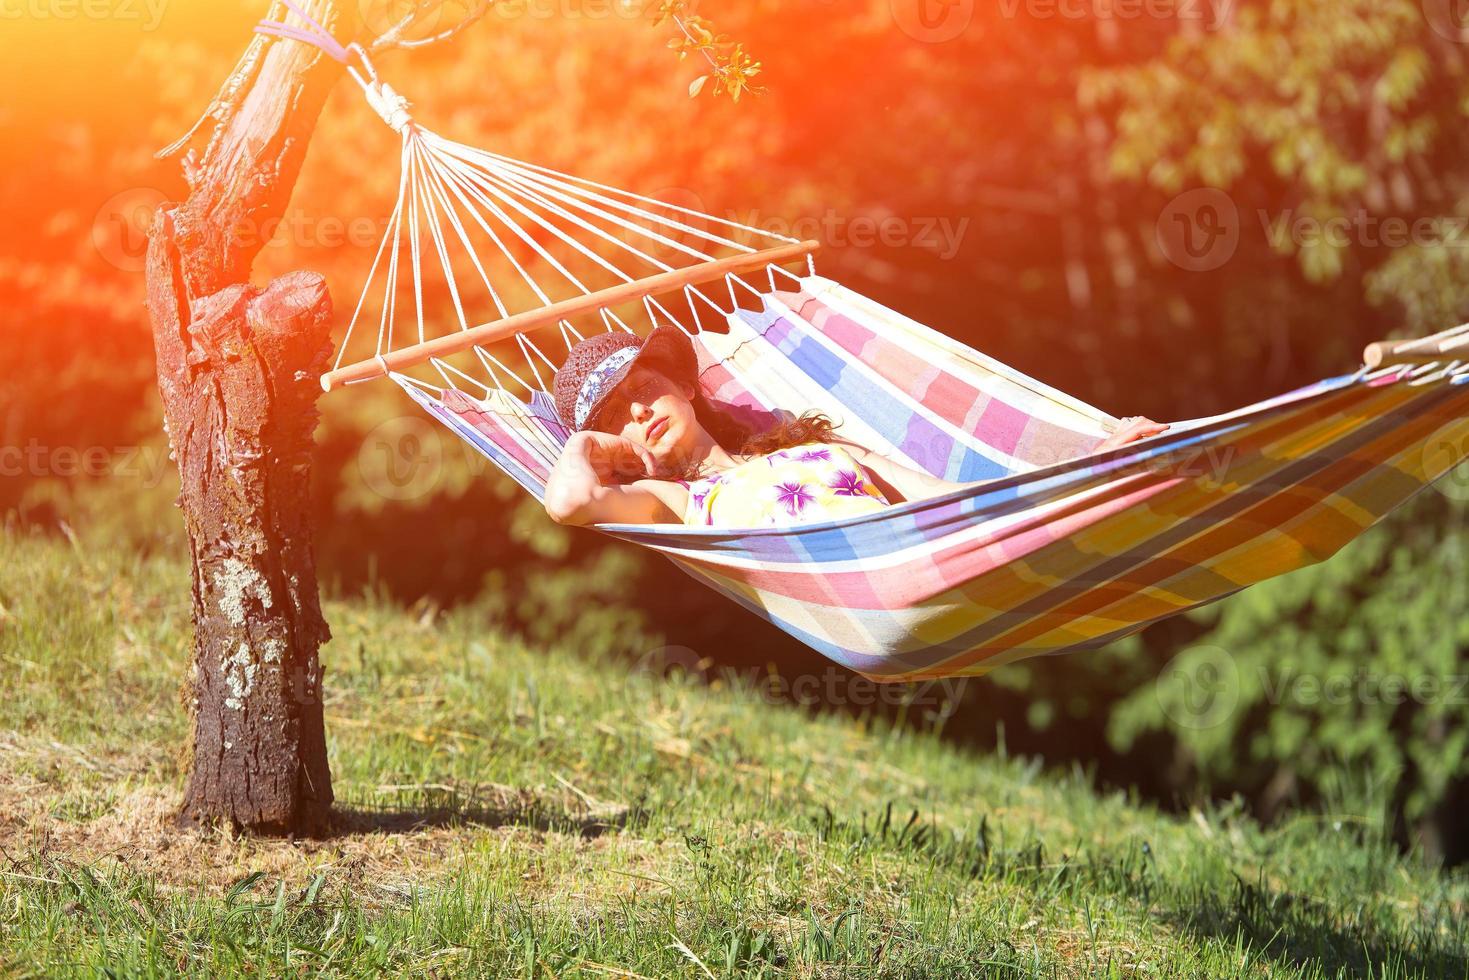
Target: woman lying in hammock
(648, 448)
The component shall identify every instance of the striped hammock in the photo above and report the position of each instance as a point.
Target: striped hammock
(1046, 552)
(1049, 547)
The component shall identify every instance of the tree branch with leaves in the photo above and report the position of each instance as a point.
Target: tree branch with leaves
(730, 67)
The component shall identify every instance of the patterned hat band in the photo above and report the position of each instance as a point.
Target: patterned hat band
(599, 380)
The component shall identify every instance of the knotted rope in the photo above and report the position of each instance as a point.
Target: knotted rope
(387, 103)
(313, 34)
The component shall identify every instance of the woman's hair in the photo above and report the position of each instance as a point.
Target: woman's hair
(741, 440)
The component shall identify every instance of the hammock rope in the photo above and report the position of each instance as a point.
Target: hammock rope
(1048, 548)
(450, 194)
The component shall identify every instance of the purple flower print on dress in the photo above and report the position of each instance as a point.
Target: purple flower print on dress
(847, 483)
(816, 454)
(793, 496)
(701, 496)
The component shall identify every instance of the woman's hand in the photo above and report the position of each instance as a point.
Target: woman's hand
(613, 458)
(1130, 430)
(590, 483)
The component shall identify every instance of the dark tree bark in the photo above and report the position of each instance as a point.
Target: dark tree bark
(238, 370)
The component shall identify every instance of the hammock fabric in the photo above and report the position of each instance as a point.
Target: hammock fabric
(1048, 549)
(1047, 553)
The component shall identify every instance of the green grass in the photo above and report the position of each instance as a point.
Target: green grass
(542, 811)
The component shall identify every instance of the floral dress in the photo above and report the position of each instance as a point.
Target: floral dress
(810, 482)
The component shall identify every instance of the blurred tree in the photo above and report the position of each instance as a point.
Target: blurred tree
(1337, 136)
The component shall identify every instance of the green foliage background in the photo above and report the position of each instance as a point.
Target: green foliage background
(1347, 679)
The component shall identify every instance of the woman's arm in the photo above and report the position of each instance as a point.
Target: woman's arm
(896, 481)
(582, 487)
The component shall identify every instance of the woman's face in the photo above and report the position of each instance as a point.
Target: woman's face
(653, 411)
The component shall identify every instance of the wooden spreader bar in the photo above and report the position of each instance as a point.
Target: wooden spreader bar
(1450, 345)
(663, 282)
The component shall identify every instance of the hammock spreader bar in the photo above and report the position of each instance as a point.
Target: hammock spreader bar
(531, 320)
(1426, 350)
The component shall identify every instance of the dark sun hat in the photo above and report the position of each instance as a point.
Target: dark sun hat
(598, 364)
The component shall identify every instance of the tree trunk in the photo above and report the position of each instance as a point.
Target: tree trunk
(241, 427)
(238, 369)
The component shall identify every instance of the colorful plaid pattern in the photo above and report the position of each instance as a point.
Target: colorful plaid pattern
(1049, 550)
